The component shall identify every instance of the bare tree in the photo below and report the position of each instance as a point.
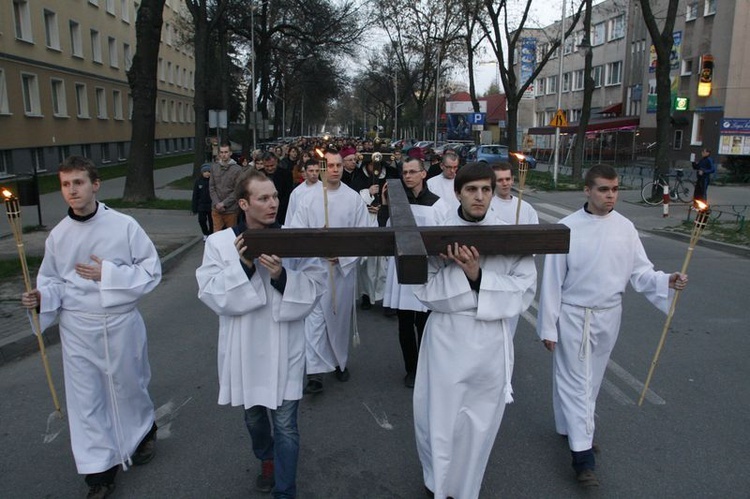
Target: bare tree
(504, 39)
(663, 41)
(588, 90)
(139, 180)
(471, 11)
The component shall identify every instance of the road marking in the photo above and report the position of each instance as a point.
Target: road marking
(553, 208)
(547, 218)
(382, 421)
(164, 416)
(616, 393)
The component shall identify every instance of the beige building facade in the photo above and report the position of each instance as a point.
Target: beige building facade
(64, 87)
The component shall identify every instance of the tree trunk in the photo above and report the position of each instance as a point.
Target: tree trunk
(579, 146)
(139, 180)
(200, 43)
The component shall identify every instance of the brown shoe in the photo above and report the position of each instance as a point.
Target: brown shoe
(587, 478)
(100, 490)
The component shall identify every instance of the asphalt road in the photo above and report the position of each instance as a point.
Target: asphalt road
(688, 440)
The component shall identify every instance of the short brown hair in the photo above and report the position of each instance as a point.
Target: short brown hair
(80, 163)
(502, 166)
(599, 171)
(241, 190)
(471, 172)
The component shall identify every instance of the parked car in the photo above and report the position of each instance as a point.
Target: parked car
(493, 153)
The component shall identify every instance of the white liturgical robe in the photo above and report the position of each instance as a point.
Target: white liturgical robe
(465, 365)
(103, 336)
(261, 353)
(580, 309)
(329, 325)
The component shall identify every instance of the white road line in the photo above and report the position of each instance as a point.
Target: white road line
(382, 420)
(616, 393)
(547, 218)
(556, 209)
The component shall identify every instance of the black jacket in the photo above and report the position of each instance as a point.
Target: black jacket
(201, 195)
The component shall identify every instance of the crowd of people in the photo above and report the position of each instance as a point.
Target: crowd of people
(286, 322)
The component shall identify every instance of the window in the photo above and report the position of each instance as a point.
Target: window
(180, 113)
(539, 87)
(82, 101)
(62, 153)
(86, 150)
(6, 163)
(168, 33)
(696, 136)
(686, 67)
(568, 46)
(162, 76)
(125, 11)
(104, 148)
(51, 32)
(113, 62)
(59, 106)
(692, 11)
(127, 56)
(172, 112)
(566, 82)
(552, 85)
(597, 34)
(614, 73)
(96, 47)
(94, 2)
(170, 73)
(616, 28)
(677, 142)
(101, 103)
(76, 44)
(130, 107)
(710, 8)
(185, 83)
(117, 104)
(164, 111)
(178, 75)
(121, 150)
(541, 51)
(110, 6)
(22, 18)
(30, 89)
(4, 107)
(597, 74)
(37, 159)
(578, 79)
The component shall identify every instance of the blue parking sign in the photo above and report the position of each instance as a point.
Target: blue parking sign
(477, 118)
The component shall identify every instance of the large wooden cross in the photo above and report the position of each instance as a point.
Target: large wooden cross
(408, 243)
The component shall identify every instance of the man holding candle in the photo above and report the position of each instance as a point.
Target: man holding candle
(97, 264)
(503, 202)
(580, 307)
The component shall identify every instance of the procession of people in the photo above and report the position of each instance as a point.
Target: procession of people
(284, 323)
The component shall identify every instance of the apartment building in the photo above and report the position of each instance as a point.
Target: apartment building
(709, 40)
(64, 87)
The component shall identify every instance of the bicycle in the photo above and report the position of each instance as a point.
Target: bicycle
(681, 189)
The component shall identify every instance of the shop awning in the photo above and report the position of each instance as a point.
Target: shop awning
(600, 125)
(615, 109)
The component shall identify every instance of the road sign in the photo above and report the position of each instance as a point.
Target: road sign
(477, 118)
(559, 119)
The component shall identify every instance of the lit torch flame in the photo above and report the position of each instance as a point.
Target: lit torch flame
(7, 194)
(519, 156)
(319, 152)
(700, 205)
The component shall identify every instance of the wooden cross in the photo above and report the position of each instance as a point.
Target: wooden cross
(408, 243)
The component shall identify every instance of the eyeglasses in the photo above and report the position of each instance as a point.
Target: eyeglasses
(406, 173)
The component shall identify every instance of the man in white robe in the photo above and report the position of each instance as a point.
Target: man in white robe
(312, 182)
(329, 325)
(466, 357)
(261, 304)
(580, 308)
(442, 184)
(97, 264)
(505, 206)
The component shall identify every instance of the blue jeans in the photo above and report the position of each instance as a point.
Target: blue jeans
(282, 446)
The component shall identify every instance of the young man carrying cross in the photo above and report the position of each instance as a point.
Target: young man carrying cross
(466, 358)
(261, 304)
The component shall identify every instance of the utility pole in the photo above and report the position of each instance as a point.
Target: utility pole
(559, 95)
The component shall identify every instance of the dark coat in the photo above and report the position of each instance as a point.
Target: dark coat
(201, 195)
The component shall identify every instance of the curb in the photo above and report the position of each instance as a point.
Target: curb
(734, 249)
(22, 344)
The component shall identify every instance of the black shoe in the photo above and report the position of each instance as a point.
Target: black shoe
(409, 380)
(366, 304)
(265, 480)
(100, 490)
(314, 384)
(389, 312)
(587, 478)
(145, 451)
(342, 375)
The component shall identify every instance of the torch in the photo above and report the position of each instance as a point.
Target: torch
(701, 220)
(323, 164)
(523, 169)
(13, 211)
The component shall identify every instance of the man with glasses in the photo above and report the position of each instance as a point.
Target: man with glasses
(411, 313)
(442, 184)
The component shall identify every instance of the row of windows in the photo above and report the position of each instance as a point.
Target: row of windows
(109, 6)
(608, 74)
(38, 163)
(606, 31)
(174, 75)
(169, 111)
(709, 9)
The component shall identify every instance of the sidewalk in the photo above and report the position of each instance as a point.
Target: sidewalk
(172, 232)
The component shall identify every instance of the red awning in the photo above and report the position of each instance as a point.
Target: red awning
(615, 109)
(601, 125)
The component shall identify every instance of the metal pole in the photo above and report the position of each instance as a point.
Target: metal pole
(437, 86)
(395, 106)
(302, 117)
(252, 69)
(559, 95)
